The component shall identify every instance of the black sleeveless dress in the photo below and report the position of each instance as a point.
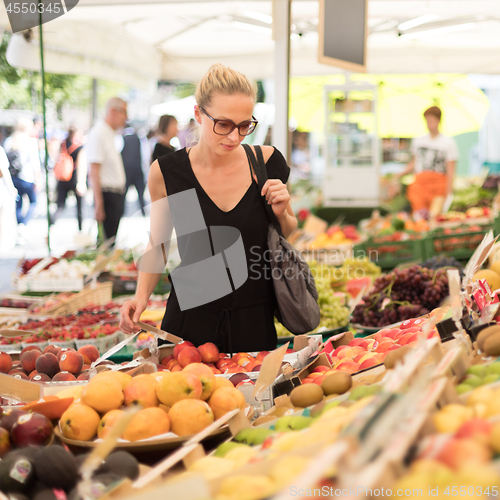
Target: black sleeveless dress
(244, 319)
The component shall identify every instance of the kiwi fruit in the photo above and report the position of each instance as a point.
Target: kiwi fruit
(336, 383)
(492, 345)
(306, 395)
(481, 338)
(393, 357)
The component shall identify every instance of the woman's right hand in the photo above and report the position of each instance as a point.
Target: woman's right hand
(130, 314)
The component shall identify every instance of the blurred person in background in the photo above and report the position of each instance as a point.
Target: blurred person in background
(434, 157)
(167, 130)
(24, 160)
(8, 194)
(188, 135)
(132, 162)
(107, 173)
(73, 145)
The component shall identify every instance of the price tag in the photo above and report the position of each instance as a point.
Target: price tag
(269, 370)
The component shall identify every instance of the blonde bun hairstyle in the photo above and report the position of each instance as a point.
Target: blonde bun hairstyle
(220, 79)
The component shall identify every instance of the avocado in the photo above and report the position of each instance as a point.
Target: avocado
(56, 468)
(46, 494)
(122, 463)
(101, 483)
(17, 473)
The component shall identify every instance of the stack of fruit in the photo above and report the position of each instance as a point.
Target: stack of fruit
(186, 353)
(479, 375)
(183, 402)
(54, 363)
(335, 236)
(400, 295)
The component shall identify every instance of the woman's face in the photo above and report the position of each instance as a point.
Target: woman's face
(237, 108)
(172, 128)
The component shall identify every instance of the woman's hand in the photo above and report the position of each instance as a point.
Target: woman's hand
(130, 314)
(277, 196)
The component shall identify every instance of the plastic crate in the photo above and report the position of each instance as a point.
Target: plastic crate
(389, 254)
(460, 245)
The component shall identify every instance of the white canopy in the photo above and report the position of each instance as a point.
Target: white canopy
(174, 39)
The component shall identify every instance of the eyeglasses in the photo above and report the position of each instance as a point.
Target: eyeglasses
(225, 127)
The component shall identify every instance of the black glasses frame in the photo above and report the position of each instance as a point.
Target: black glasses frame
(216, 120)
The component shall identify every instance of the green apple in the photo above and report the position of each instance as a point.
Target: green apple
(463, 388)
(478, 370)
(226, 447)
(473, 380)
(490, 378)
(493, 368)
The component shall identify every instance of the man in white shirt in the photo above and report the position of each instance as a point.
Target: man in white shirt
(106, 167)
(434, 158)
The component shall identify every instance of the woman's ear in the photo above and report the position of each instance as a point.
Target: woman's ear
(197, 114)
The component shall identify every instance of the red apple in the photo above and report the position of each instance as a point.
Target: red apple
(368, 363)
(338, 350)
(261, 355)
(10, 417)
(477, 429)
(319, 369)
(238, 377)
(166, 359)
(384, 346)
(180, 346)
(256, 368)
(209, 352)
(189, 355)
(33, 429)
(356, 341)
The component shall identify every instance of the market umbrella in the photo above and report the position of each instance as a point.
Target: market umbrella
(402, 99)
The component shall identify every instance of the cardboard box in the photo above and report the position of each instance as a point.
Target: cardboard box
(16, 389)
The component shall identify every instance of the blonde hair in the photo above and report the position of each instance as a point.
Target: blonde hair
(220, 79)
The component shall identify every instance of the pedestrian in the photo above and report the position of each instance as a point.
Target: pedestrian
(433, 160)
(24, 160)
(188, 135)
(72, 147)
(106, 167)
(167, 130)
(132, 162)
(8, 195)
(218, 171)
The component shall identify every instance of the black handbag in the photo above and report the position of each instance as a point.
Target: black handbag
(294, 286)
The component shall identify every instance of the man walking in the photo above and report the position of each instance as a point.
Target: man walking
(107, 173)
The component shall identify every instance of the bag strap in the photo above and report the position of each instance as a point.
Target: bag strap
(72, 148)
(259, 167)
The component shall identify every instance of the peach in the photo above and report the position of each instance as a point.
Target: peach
(63, 377)
(53, 349)
(226, 399)
(48, 364)
(457, 453)
(170, 364)
(107, 422)
(180, 346)
(39, 377)
(5, 362)
(103, 394)
(122, 378)
(17, 370)
(190, 416)
(261, 355)
(384, 346)
(206, 376)
(368, 363)
(147, 423)
(85, 375)
(349, 367)
(176, 368)
(20, 375)
(90, 353)
(320, 369)
(339, 349)
(64, 350)
(71, 362)
(166, 359)
(28, 359)
(79, 422)
(189, 355)
(209, 352)
(175, 386)
(140, 391)
(30, 348)
(224, 382)
(224, 362)
(367, 344)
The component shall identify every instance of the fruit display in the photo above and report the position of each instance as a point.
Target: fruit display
(443, 262)
(334, 236)
(400, 295)
(352, 271)
(479, 375)
(183, 403)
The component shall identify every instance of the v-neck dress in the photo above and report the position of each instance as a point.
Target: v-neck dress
(244, 319)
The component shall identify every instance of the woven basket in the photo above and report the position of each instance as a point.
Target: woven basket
(100, 295)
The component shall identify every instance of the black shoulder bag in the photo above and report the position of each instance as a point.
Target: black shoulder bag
(294, 285)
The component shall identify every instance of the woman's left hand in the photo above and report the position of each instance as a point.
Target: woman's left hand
(277, 196)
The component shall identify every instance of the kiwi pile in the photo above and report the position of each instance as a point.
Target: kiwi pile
(34, 473)
(488, 341)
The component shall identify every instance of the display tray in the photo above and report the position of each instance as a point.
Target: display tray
(326, 333)
(139, 446)
(368, 330)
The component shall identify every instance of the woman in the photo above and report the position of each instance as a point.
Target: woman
(78, 182)
(218, 170)
(8, 194)
(167, 129)
(29, 177)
